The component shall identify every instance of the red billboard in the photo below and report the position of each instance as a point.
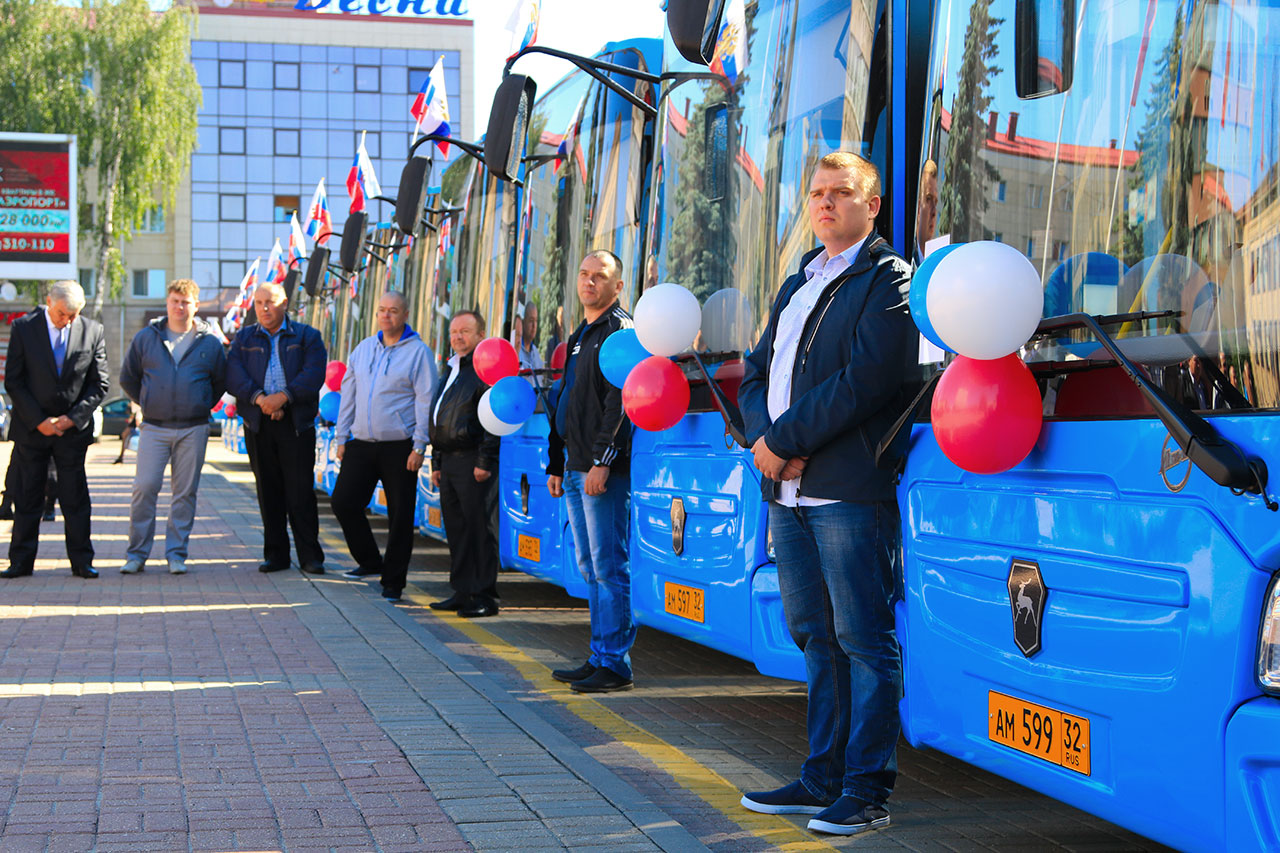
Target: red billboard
(37, 206)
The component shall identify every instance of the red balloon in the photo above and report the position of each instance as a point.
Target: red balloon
(987, 414)
(656, 394)
(559, 357)
(494, 359)
(230, 410)
(333, 373)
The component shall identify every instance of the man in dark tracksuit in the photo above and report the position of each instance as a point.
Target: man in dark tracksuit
(593, 431)
(464, 466)
(823, 385)
(275, 370)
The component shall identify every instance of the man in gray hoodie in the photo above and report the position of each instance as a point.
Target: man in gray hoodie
(175, 370)
(382, 435)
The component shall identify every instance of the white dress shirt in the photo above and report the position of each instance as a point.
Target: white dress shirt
(55, 334)
(820, 272)
(454, 361)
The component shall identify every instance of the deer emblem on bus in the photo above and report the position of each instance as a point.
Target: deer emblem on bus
(1027, 595)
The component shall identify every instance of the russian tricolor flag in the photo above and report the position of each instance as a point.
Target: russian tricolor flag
(275, 265)
(731, 44)
(430, 109)
(569, 149)
(362, 183)
(297, 242)
(523, 25)
(319, 223)
(249, 283)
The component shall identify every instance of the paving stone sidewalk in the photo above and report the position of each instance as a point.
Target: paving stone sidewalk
(227, 709)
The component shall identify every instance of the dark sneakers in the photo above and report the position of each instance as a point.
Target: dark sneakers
(603, 680)
(568, 676)
(849, 816)
(789, 799)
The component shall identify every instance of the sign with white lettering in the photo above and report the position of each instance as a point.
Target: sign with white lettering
(37, 206)
(452, 9)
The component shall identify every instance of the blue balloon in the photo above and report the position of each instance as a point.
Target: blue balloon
(512, 400)
(619, 353)
(329, 405)
(920, 290)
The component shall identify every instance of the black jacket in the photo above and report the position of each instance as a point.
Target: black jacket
(456, 427)
(39, 391)
(849, 382)
(302, 355)
(589, 423)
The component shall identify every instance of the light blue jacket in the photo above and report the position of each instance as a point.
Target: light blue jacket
(387, 390)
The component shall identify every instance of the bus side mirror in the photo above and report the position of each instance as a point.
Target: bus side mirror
(508, 125)
(695, 27)
(352, 240)
(413, 191)
(316, 266)
(290, 283)
(1044, 47)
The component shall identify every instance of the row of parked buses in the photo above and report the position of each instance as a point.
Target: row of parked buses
(1101, 622)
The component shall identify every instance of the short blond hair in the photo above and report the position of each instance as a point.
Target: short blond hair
(184, 287)
(866, 171)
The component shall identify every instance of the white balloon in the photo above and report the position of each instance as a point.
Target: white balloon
(325, 391)
(490, 421)
(727, 321)
(667, 319)
(985, 300)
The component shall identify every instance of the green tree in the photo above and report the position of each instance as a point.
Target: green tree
(962, 197)
(701, 243)
(119, 77)
(139, 120)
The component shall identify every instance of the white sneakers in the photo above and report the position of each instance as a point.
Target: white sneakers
(177, 567)
(131, 567)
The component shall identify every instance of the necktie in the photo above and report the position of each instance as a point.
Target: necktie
(60, 350)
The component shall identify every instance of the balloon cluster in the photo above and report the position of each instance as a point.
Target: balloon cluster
(510, 401)
(982, 301)
(330, 398)
(655, 392)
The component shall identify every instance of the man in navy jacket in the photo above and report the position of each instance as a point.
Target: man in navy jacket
(820, 389)
(275, 370)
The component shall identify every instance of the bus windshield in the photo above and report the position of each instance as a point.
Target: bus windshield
(1128, 148)
(792, 81)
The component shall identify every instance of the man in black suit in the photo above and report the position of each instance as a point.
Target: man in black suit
(56, 375)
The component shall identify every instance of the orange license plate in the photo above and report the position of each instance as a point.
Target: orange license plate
(685, 601)
(529, 547)
(1048, 734)
(433, 517)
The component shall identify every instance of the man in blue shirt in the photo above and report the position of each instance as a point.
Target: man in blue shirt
(275, 370)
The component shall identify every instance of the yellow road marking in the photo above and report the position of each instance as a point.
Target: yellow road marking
(693, 776)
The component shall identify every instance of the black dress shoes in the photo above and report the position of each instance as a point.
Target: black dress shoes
(568, 676)
(454, 602)
(363, 572)
(86, 572)
(272, 567)
(15, 572)
(391, 594)
(313, 568)
(603, 680)
(478, 608)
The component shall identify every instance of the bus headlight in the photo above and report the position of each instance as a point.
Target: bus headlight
(1269, 639)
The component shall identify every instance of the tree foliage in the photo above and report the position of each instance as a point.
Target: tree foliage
(119, 77)
(962, 197)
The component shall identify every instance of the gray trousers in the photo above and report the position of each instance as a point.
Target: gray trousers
(183, 451)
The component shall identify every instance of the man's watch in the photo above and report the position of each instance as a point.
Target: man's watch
(420, 449)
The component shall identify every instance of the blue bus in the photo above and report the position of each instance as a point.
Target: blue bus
(1102, 622)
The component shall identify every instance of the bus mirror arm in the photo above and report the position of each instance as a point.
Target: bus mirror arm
(1220, 459)
(473, 148)
(733, 423)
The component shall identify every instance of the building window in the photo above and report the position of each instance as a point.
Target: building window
(231, 140)
(418, 76)
(367, 78)
(149, 284)
(1035, 197)
(1000, 188)
(231, 207)
(231, 73)
(284, 206)
(153, 221)
(286, 75)
(286, 143)
(1065, 200)
(89, 281)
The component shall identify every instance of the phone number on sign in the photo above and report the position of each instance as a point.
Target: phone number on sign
(27, 244)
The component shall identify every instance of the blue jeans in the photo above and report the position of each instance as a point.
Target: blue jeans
(600, 525)
(838, 571)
